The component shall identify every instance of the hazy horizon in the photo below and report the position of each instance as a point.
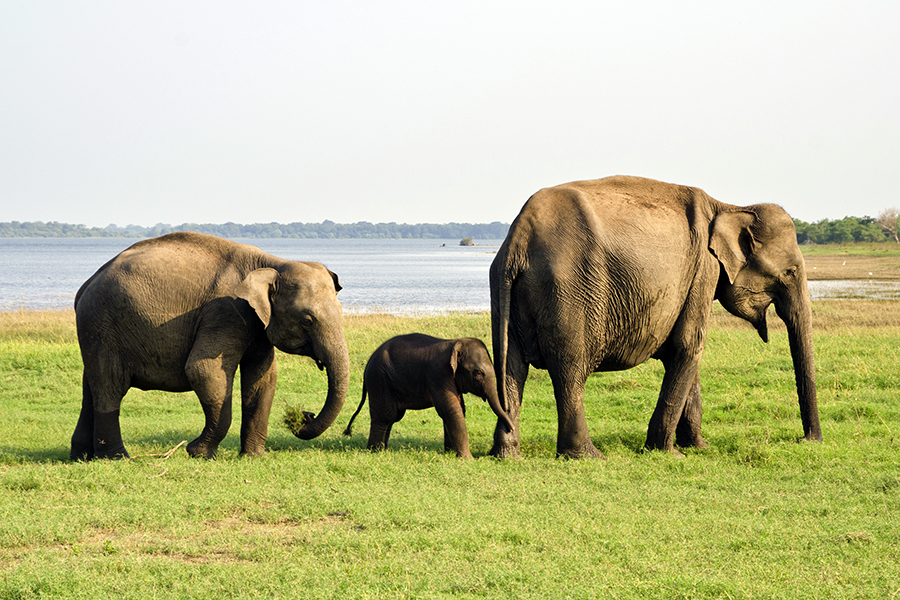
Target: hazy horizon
(435, 112)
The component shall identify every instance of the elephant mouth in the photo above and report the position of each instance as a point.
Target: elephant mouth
(756, 304)
(760, 322)
(304, 349)
(762, 328)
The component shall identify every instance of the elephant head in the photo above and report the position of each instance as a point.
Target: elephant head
(473, 373)
(298, 306)
(761, 264)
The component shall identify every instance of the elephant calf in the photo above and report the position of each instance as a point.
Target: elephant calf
(417, 371)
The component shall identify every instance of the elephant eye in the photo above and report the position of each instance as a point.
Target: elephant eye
(479, 374)
(792, 272)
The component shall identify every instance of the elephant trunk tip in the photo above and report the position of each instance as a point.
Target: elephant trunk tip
(298, 422)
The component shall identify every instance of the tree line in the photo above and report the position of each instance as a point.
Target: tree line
(324, 230)
(884, 228)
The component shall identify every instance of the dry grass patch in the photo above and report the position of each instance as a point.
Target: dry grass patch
(231, 540)
(55, 326)
(841, 266)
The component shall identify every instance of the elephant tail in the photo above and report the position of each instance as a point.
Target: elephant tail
(349, 430)
(507, 266)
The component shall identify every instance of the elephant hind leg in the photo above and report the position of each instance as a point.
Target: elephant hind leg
(381, 424)
(568, 373)
(97, 433)
(379, 434)
(83, 438)
(506, 442)
(573, 439)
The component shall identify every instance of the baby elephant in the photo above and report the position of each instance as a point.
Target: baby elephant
(417, 371)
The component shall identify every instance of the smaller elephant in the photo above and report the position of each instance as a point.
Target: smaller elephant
(417, 371)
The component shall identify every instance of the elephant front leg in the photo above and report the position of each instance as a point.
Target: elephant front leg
(212, 382)
(687, 433)
(259, 375)
(678, 384)
(452, 411)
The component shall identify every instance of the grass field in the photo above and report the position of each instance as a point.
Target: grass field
(755, 515)
(853, 261)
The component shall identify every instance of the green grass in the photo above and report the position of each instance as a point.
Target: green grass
(755, 515)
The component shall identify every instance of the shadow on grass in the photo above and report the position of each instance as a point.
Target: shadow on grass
(285, 440)
(19, 456)
(170, 440)
(540, 445)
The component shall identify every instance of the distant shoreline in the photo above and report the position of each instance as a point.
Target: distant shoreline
(324, 230)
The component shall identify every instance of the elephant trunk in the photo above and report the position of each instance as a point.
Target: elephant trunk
(796, 313)
(336, 361)
(493, 399)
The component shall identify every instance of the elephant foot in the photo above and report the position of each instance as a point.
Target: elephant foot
(253, 453)
(697, 442)
(81, 452)
(505, 451)
(198, 449)
(586, 450)
(110, 454)
(253, 445)
(671, 450)
(82, 446)
(105, 441)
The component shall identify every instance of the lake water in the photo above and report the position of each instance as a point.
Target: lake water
(391, 276)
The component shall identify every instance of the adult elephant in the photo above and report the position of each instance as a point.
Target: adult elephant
(602, 275)
(182, 312)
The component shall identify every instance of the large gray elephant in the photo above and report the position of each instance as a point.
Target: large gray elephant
(417, 371)
(182, 312)
(602, 275)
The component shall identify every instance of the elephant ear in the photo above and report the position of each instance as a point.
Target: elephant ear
(454, 355)
(337, 282)
(256, 289)
(731, 240)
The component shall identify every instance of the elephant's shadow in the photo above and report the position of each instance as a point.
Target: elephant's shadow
(171, 438)
(283, 440)
(13, 455)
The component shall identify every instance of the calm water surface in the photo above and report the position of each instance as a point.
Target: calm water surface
(391, 276)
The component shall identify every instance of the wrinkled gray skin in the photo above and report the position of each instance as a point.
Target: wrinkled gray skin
(182, 312)
(603, 275)
(417, 371)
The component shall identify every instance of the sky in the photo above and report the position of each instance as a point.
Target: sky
(431, 112)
